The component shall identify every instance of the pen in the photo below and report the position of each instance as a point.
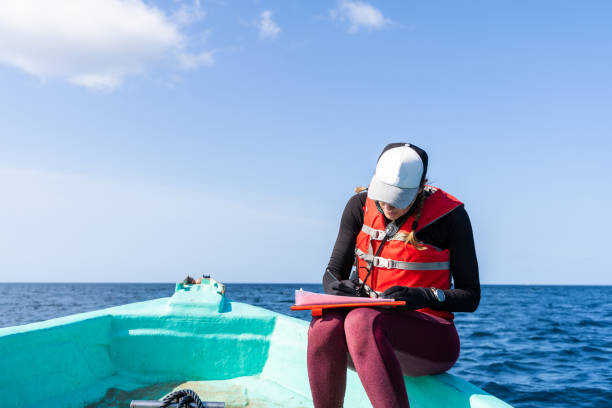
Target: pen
(332, 275)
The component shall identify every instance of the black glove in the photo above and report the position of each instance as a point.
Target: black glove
(343, 288)
(415, 298)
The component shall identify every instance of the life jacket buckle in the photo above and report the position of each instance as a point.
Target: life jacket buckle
(378, 235)
(381, 262)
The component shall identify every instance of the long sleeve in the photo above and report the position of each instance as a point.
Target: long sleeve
(454, 232)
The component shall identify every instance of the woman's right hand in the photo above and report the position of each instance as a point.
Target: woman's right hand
(343, 288)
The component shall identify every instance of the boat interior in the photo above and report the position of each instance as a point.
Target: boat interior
(226, 351)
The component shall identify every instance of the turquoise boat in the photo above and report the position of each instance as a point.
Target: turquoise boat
(226, 351)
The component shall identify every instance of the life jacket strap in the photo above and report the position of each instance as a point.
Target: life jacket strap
(381, 262)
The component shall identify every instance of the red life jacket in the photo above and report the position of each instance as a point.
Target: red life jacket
(400, 263)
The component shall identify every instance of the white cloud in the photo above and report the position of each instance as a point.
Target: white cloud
(192, 61)
(93, 43)
(96, 81)
(268, 29)
(359, 15)
(188, 13)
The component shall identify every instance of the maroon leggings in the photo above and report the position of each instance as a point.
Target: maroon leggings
(384, 345)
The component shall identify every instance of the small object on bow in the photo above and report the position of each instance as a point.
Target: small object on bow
(189, 280)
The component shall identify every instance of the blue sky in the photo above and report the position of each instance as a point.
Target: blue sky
(142, 141)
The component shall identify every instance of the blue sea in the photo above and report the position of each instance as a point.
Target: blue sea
(532, 346)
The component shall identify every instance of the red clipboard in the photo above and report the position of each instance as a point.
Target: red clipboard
(317, 310)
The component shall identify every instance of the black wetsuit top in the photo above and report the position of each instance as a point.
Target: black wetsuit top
(453, 232)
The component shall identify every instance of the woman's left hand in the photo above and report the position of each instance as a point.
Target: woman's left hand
(415, 298)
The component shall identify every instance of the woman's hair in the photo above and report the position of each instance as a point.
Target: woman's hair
(410, 238)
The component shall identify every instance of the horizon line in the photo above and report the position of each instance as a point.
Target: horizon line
(294, 283)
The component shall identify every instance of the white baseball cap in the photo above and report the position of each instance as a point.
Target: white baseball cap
(400, 172)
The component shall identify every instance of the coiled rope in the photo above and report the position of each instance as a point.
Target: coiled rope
(183, 398)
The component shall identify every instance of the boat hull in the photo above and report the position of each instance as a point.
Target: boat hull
(195, 335)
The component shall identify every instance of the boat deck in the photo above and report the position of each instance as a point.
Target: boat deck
(249, 392)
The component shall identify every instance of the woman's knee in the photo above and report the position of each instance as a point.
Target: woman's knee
(326, 331)
(360, 323)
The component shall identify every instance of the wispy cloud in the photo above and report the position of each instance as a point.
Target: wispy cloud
(268, 29)
(188, 13)
(94, 43)
(192, 61)
(359, 15)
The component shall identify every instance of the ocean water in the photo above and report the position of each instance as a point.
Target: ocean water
(532, 346)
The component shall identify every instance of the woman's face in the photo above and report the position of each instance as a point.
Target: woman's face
(391, 212)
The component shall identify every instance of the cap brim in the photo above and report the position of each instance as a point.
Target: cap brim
(397, 197)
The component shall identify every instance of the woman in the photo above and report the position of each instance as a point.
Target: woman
(405, 237)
